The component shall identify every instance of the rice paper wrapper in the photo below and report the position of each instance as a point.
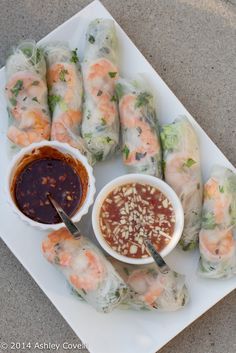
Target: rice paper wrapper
(86, 269)
(141, 148)
(27, 96)
(149, 289)
(182, 171)
(100, 126)
(65, 95)
(217, 243)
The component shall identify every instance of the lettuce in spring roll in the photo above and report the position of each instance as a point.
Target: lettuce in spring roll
(216, 242)
(86, 269)
(26, 95)
(65, 95)
(139, 128)
(149, 289)
(100, 126)
(182, 171)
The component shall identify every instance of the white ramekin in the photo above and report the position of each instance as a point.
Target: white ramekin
(143, 179)
(63, 148)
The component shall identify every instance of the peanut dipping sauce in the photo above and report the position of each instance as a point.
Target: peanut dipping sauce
(132, 212)
(47, 171)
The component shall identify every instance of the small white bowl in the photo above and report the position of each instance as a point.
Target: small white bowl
(143, 179)
(63, 148)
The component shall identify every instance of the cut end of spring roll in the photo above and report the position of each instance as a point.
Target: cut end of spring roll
(141, 147)
(86, 269)
(100, 125)
(216, 240)
(182, 171)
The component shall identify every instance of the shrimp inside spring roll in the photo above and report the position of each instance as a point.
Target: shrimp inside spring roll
(26, 95)
(216, 240)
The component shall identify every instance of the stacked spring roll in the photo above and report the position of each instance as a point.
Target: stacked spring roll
(139, 127)
(149, 289)
(87, 270)
(26, 95)
(100, 126)
(216, 243)
(182, 170)
(65, 95)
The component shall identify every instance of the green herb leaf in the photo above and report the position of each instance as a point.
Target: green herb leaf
(142, 99)
(17, 87)
(108, 139)
(74, 57)
(112, 74)
(126, 271)
(119, 91)
(125, 151)
(99, 93)
(103, 122)
(221, 188)
(53, 100)
(189, 163)
(99, 156)
(91, 39)
(208, 220)
(88, 135)
(163, 164)
(35, 99)
(62, 75)
(13, 101)
(113, 99)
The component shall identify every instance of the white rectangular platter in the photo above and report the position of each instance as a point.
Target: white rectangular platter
(119, 331)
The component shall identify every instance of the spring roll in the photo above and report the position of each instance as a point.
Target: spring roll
(216, 242)
(139, 128)
(86, 269)
(65, 95)
(149, 289)
(182, 171)
(100, 126)
(26, 95)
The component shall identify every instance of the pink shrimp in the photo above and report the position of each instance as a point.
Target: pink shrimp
(131, 118)
(178, 173)
(216, 244)
(148, 287)
(27, 94)
(91, 274)
(100, 81)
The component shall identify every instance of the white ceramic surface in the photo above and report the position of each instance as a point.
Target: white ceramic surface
(119, 331)
(63, 148)
(143, 179)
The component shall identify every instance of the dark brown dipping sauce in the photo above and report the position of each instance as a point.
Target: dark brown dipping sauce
(53, 175)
